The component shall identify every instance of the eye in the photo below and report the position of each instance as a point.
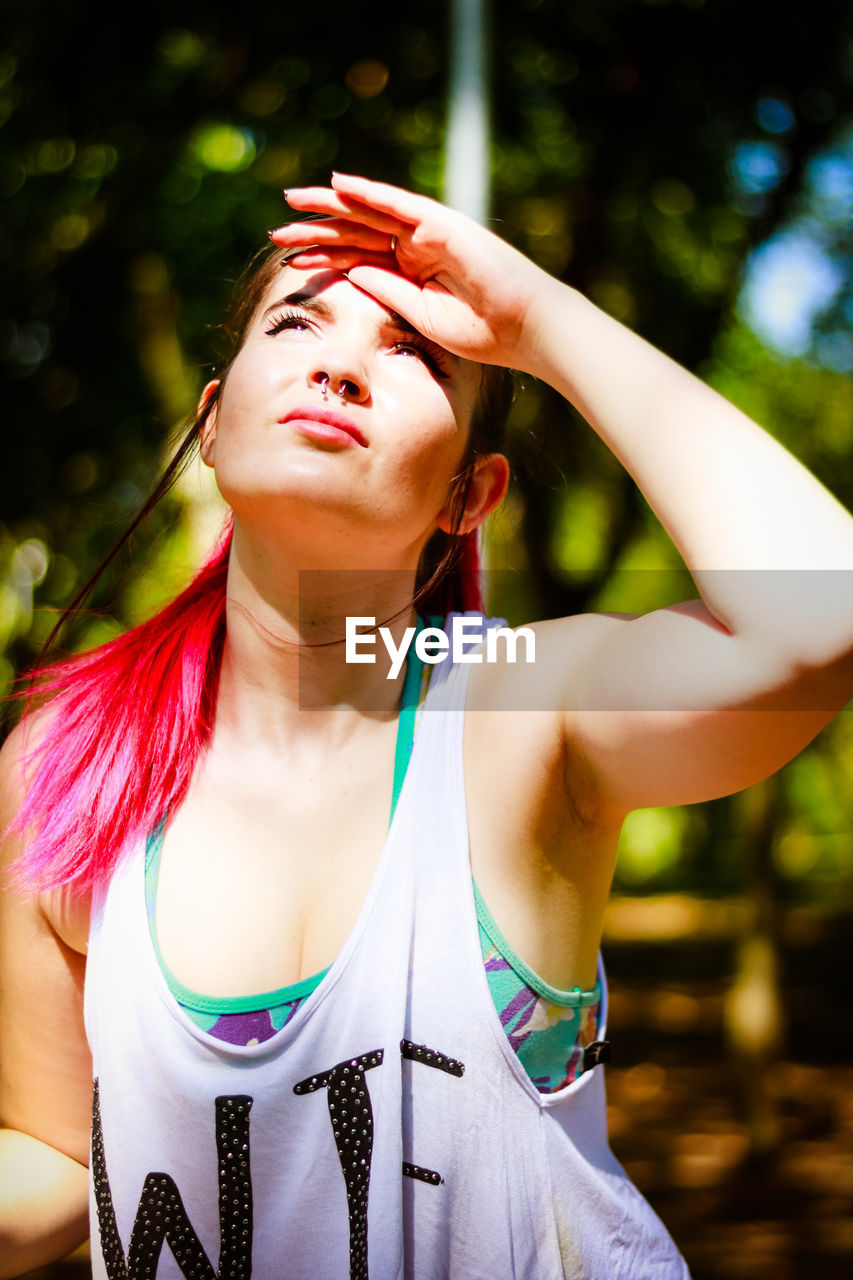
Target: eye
(429, 353)
(286, 320)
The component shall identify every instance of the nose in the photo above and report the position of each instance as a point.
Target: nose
(344, 378)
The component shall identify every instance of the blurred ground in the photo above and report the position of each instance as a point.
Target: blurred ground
(676, 1104)
(677, 1111)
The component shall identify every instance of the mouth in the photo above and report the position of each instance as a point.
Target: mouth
(327, 424)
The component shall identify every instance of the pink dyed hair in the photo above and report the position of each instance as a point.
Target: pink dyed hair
(132, 718)
(128, 721)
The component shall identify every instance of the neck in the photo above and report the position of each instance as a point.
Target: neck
(284, 664)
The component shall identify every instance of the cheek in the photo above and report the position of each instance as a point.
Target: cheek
(247, 407)
(249, 384)
(428, 457)
(424, 419)
(422, 479)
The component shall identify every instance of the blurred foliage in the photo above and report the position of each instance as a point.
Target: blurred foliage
(642, 150)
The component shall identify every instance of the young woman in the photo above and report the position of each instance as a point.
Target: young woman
(322, 1047)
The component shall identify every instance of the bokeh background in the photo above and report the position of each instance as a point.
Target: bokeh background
(688, 164)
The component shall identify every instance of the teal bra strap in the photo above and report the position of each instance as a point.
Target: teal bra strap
(406, 719)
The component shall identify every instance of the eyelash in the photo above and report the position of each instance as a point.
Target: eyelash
(427, 351)
(286, 320)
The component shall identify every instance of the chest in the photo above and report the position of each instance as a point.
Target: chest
(265, 870)
(265, 865)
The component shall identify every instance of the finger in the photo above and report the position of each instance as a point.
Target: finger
(383, 197)
(393, 290)
(339, 259)
(322, 200)
(331, 231)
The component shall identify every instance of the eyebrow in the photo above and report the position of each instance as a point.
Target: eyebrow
(311, 302)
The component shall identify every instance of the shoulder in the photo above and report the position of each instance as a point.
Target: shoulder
(539, 666)
(62, 910)
(15, 755)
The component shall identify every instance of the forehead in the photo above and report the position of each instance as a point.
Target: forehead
(328, 285)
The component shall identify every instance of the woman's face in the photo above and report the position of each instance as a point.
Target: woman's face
(319, 346)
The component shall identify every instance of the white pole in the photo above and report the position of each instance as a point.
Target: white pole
(466, 163)
(467, 175)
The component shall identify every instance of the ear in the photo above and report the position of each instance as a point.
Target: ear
(488, 486)
(208, 434)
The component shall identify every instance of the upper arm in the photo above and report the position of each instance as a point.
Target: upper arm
(670, 708)
(45, 1064)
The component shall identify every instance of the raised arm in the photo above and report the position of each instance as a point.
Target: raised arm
(703, 698)
(45, 1067)
(685, 703)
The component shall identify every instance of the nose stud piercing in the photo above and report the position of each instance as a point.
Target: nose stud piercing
(324, 387)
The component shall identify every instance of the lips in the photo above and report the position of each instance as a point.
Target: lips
(326, 418)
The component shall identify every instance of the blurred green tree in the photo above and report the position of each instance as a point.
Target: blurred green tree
(642, 149)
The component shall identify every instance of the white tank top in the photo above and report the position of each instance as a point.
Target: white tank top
(387, 1131)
